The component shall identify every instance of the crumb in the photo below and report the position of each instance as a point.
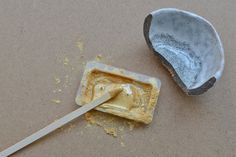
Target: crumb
(80, 45)
(57, 80)
(89, 117)
(57, 91)
(56, 101)
(66, 61)
(98, 57)
(112, 125)
(111, 131)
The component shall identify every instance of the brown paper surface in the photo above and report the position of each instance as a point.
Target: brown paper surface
(41, 41)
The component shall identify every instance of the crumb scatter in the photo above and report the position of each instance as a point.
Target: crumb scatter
(111, 131)
(112, 125)
(98, 57)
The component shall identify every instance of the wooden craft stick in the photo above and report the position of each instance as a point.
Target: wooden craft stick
(59, 123)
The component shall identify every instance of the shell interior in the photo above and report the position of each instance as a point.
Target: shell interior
(188, 43)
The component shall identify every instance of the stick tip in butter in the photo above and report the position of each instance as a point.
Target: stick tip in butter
(136, 101)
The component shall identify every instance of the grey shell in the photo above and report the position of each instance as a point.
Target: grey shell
(188, 46)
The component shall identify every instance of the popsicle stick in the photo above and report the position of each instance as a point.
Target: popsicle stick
(58, 123)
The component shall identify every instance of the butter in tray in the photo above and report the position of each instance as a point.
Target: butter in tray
(137, 101)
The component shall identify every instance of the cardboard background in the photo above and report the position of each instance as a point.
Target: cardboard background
(34, 34)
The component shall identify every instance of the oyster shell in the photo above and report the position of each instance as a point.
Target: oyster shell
(188, 46)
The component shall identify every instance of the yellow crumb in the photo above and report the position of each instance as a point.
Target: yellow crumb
(66, 61)
(80, 45)
(89, 117)
(111, 131)
(56, 101)
(57, 90)
(57, 80)
(98, 57)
